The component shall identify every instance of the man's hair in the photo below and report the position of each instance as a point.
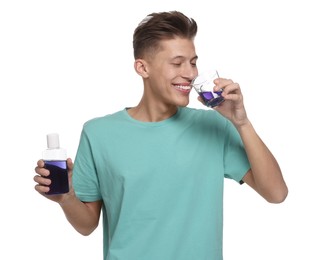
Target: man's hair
(161, 26)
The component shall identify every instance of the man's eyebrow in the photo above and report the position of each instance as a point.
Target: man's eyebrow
(195, 58)
(182, 57)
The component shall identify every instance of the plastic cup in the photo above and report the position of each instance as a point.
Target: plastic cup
(204, 86)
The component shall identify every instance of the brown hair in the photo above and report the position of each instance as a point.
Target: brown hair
(161, 26)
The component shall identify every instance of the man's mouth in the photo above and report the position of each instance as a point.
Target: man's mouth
(183, 88)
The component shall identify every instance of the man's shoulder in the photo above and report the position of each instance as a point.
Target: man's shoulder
(104, 120)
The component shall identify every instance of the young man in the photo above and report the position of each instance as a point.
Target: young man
(156, 171)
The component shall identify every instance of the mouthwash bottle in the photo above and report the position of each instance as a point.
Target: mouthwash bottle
(55, 161)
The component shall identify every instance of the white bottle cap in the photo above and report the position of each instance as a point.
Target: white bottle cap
(53, 151)
(53, 141)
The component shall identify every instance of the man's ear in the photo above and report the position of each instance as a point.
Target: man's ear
(141, 67)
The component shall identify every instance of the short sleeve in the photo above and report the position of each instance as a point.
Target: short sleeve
(235, 159)
(84, 178)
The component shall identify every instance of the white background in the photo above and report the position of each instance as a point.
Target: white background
(64, 62)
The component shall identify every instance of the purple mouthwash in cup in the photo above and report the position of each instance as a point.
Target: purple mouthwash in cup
(212, 98)
(204, 86)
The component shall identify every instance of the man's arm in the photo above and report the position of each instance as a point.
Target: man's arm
(83, 216)
(265, 175)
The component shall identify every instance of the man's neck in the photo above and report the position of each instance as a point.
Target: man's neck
(152, 112)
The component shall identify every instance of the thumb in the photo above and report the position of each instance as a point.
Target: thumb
(69, 164)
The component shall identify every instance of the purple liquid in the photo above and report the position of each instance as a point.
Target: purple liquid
(58, 176)
(212, 99)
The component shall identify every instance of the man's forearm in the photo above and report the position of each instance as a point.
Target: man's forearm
(83, 216)
(266, 172)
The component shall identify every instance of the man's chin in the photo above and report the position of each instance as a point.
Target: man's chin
(183, 103)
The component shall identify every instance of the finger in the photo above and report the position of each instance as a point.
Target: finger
(41, 180)
(40, 163)
(231, 89)
(222, 83)
(42, 171)
(40, 168)
(200, 99)
(233, 97)
(41, 189)
(69, 164)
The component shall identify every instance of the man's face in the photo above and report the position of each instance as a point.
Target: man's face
(170, 72)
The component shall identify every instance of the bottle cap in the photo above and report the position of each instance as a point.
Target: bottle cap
(54, 151)
(53, 141)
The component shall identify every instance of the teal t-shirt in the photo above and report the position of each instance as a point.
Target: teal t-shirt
(161, 183)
